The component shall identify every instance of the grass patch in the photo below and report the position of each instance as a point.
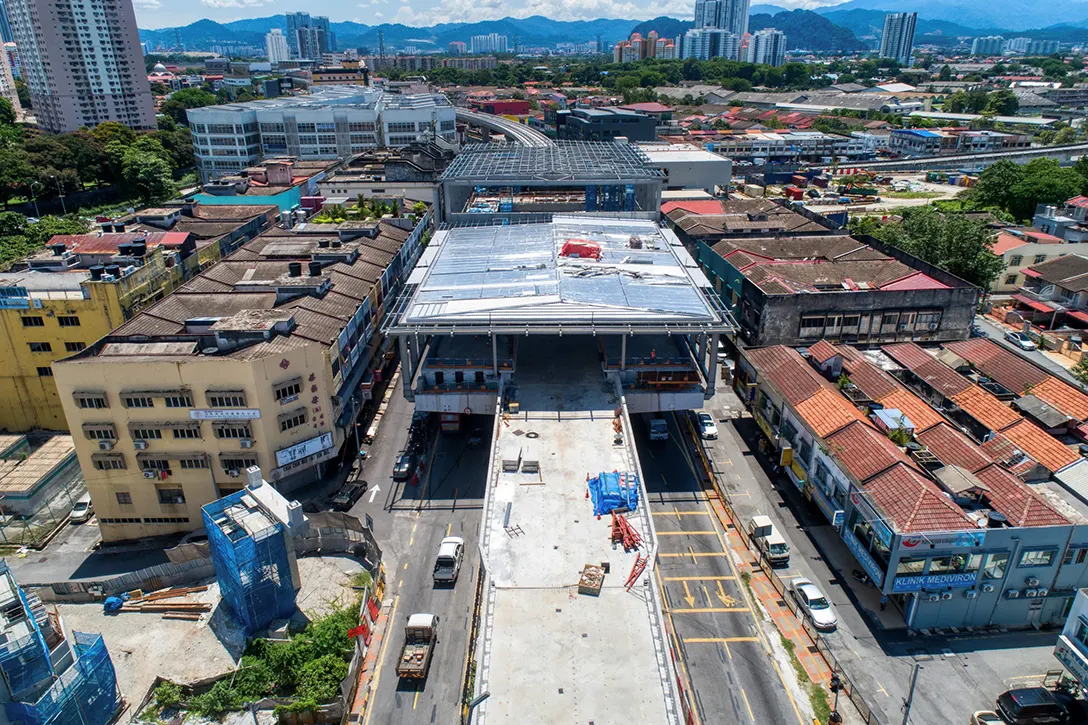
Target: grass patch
(361, 579)
(821, 708)
(746, 579)
(912, 195)
(817, 696)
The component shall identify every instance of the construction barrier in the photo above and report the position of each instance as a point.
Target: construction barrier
(468, 680)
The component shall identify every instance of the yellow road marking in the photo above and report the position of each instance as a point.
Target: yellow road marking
(687, 596)
(412, 538)
(707, 595)
(448, 527)
(718, 640)
(728, 651)
(677, 512)
(696, 578)
(726, 599)
(415, 700)
(381, 655)
(882, 690)
(745, 696)
(677, 554)
(684, 533)
(702, 610)
(400, 584)
(406, 566)
(676, 643)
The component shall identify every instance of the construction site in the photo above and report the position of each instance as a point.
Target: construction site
(558, 326)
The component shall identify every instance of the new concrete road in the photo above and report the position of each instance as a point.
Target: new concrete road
(410, 522)
(997, 334)
(724, 651)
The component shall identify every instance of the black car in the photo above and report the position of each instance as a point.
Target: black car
(1031, 706)
(403, 468)
(346, 497)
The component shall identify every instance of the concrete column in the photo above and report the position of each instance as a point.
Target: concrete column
(407, 369)
(712, 368)
(623, 352)
(495, 353)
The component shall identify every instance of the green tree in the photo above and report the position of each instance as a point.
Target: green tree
(23, 92)
(148, 175)
(994, 187)
(110, 131)
(945, 74)
(7, 112)
(1044, 182)
(16, 172)
(953, 242)
(1002, 103)
(181, 101)
(1080, 370)
(1065, 135)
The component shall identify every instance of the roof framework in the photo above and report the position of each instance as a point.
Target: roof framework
(570, 161)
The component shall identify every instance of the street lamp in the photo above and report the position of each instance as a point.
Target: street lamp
(836, 684)
(60, 190)
(476, 703)
(34, 197)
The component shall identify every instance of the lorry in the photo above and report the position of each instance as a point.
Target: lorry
(659, 429)
(420, 637)
(768, 542)
(447, 565)
(449, 422)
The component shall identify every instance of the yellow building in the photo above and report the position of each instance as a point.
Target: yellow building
(264, 359)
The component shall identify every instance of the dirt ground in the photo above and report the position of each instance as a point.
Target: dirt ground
(144, 646)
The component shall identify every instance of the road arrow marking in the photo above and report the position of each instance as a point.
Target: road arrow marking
(687, 596)
(374, 492)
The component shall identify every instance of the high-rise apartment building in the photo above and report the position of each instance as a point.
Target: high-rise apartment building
(490, 43)
(458, 47)
(897, 40)
(82, 63)
(312, 42)
(767, 47)
(5, 24)
(12, 52)
(728, 15)
(302, 37)
(706, 43)
(1043, 47)
(988, 45)
(275, 46)
(1017, 45)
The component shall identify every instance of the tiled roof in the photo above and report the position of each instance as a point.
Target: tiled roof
(986, 409)
(1069, 272)
(1005, 452)
(785, 369)
(1007, 368)
(1005, 242)
(822, 351)
(696, 206)
(870, 379)
(826, 411)
(107, 243)
(1013, 498)
(936, 374)
(916, 409)
(1041, 446)
(1063, 396)
(914, 503)
(863, 451)
(953, 448)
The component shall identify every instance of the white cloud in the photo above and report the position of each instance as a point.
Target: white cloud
(378, 14)
(467, 11)
(219, 4)
(147, 4)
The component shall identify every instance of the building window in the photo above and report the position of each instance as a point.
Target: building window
(100, 431)
(138, 401)
(193, 463)
(163, 520)
(1075, 554)
(170, 495)
(124, 498)
(1011, 279)
(108, 463)
(40, 347)
(1039, 259)
(67, 320)
(74, 346)
(237, 464)
(154, 464)
(91, 400)
(181, 400)
(33, 322)
(118, 521)
(228, 430)
(292, 420)
(232, 399)
(1016, 260)
(46, 372)
(289, 391)
(996, 565)
(146, 434)
(1037, 557)
(910, 566)
(187, 432)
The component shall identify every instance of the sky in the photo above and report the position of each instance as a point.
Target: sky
(171, 13)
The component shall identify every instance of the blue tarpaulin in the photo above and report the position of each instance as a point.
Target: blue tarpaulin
(613, 491)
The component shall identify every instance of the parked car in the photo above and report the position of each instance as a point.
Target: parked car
(346, 497)
(1021, 340)
(708, 431)
(83, 510)
(402, 469)
(1031, 706)
(814, 604)
(986, 717)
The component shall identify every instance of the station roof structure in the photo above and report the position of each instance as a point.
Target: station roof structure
(567, 161)
(524, 279)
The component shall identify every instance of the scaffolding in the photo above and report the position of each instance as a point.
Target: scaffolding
(84, 694)
(250, 550)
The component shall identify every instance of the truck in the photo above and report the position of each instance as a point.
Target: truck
(447, 565)
(659, 429)
(449, 422)
(420, 637)
(768, 542)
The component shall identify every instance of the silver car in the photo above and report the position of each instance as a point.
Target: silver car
(1021, 340)
(814, 604)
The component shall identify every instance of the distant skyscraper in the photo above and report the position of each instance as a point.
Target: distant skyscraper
(1043, 47)
(706, 43)
(458, 47)
(85, 83)
(5, 24)
(490, 43)
(312, 42)
(988, 45)
(12, 52)
(296, 22)
(729, 15)
(275, 46)
(1017, 45)
(767, 47)
(897, 41)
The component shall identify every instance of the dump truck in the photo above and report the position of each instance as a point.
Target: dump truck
(420, 637)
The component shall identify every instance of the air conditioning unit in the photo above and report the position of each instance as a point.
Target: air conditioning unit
(140, 445)
(1012, 593)
(934, 597)
(1043, 591)
(987, 588)
(1031, 581)
(1031, 593)
(233, 473)
(934, 325)
(150, 474)
(946, 596)
(245, 442)
(971, 594)
(105, 445)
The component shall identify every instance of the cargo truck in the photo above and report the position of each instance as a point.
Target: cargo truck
(420, 637)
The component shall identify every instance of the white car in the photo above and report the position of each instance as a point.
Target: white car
(82, 511)
(708, 431)
(986, 717)
(1021, 340)
(814, 604)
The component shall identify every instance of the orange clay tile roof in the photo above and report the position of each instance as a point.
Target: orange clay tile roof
(827, 411)
(1063, 396)
(863, 451)
(1005, 452)
(913, 407)
(868, 378)
(1015, 499)
(822, 351)
(783, 367)
(994, 361)
(1040, 445)
(914, 503)
(986, 409)
(953, 448)
(932, 371)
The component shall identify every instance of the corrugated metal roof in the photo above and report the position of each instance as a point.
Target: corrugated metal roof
(1075, 479)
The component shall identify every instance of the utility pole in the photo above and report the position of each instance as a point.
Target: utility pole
(60, 191)
(910, 693)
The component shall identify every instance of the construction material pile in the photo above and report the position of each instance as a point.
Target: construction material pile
(624, 533)
(170, 603)
(591, 580)
(613, 491)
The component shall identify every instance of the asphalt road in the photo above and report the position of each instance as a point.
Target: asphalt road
(732, 676)
(410, 522)
(997, 334)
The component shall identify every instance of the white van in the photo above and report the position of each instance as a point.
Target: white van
(768, 541)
